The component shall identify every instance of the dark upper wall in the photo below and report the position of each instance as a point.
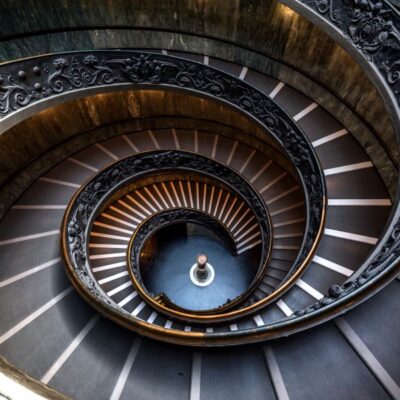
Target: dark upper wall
(274, 36)
(235, 20)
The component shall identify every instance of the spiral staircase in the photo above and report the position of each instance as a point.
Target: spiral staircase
(190, 152)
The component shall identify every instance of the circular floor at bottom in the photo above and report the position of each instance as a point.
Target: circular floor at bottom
(176, 254)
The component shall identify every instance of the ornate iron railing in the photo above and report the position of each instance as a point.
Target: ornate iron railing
(33, 84)
(89, 200)
(370, 30)
(367, 28)
(382, 265)
(26, 86)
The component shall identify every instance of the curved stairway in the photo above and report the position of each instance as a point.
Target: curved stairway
(66, 346)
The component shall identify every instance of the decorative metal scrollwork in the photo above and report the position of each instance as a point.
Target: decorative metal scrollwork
(25, 84)
(87, 203)
(373, 27)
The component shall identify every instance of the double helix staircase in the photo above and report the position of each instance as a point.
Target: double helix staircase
(55, 336)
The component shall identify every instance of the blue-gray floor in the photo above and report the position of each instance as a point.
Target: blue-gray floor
(176, 254)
